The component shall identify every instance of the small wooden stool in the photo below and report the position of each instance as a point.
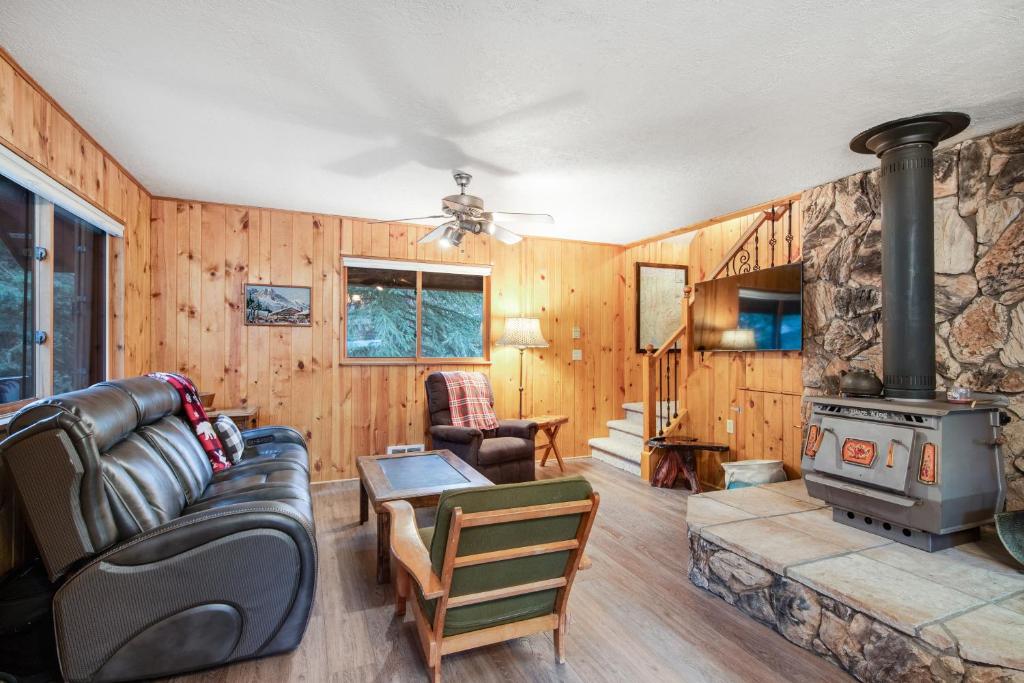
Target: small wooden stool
(550, 425)
(680, 457)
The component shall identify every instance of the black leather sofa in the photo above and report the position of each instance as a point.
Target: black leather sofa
(163, 566)
(504, 455)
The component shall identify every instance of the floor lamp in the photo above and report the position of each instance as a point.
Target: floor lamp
(522, 333)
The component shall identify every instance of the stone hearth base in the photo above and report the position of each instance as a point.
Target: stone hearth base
(879, 610)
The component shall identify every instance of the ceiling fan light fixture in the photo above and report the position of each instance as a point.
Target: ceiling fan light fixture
(452, 237)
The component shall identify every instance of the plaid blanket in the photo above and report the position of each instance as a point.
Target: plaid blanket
(470, 400)
(196, 417)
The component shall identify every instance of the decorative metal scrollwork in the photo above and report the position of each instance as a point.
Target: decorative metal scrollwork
(789, 233)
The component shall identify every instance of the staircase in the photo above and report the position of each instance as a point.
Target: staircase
(624, 444)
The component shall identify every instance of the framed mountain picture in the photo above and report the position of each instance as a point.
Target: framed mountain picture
(277, 305)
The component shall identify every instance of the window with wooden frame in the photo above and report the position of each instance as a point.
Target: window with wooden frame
(53, 287)
(415, 312)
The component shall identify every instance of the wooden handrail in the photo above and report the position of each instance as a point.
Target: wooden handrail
(776, 213)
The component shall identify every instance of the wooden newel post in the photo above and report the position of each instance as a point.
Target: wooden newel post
(650, 382)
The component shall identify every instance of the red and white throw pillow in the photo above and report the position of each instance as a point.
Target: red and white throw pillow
(196, 416)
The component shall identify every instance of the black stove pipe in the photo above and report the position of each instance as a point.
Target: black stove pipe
(908, 246)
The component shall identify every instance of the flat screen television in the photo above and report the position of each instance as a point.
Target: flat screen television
(756, 311)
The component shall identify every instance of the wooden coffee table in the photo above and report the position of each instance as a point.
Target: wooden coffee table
(419, 478)
(550, 425)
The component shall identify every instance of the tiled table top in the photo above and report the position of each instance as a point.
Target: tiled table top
(971, 595)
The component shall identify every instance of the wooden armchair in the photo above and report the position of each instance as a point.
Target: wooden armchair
(499, 564)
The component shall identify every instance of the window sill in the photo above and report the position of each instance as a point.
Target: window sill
(415, 361)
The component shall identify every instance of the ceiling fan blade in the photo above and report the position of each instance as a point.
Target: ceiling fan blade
(512, 217)
(434, 234)
(408, 220)
(505, 235)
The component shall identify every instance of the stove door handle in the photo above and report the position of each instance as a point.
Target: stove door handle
(890, 457)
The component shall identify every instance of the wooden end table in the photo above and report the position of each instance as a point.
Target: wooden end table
(244, 418)
(680, 456)
(550, 425)
(419, 478)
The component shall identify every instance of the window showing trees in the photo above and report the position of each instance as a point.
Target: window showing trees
(79, 303)
(453, 315)
(17, 375)
(420, 313)
(53, 298)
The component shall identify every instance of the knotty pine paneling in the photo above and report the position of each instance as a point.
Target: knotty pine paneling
(759, 391)
(202, 254)
(36, 128)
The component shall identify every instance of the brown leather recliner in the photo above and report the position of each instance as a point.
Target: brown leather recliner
(504, 455)
(164, 567)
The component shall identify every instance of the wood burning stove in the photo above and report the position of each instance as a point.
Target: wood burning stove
(924, 473)
(911, 466)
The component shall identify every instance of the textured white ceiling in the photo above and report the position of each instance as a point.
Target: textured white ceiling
(621, 118)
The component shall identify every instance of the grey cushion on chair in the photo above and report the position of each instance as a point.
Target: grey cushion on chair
(504, 455)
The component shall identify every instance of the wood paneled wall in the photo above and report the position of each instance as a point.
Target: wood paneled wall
(759, 391)
(202, 255)
(36, 128)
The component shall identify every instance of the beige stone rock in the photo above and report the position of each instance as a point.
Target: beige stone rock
(938, 637)
(843, 340)
(819, 305)
(984, 577)
(1010, 178)
(1001, 270)
(794, 488)
(948, 668)
(797, 613)
(979, 331)
(972, 168)
(819, 523)
(761, 501)
(953, 293)
(894, 596)
(954, 241)
(944, 172)
(892, 656)
(702, 511)
(945, 364)
(990, 635)
(992, 674)
(770, 544)
(1013, 350)
(852, 202)
(993, 217)
(1010, 140)
(738, 574)
(817, 203)
(835, 634)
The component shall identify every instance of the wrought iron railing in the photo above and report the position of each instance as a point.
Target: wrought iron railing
(745, 255)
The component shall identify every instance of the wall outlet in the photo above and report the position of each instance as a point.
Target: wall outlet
(406, 448)
(730, 427)
(576, 332)
(577, 354)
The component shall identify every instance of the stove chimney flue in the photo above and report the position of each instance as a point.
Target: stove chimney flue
(905, 148)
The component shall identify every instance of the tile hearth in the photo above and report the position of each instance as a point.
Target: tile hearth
(878, 609)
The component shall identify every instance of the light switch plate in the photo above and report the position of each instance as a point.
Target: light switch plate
(576, 332)
(577, 354)
(730, 427)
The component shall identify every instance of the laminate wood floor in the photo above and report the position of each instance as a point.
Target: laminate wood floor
(635, 615)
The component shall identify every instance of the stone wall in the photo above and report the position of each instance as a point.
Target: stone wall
(852, 640)
(979, 273)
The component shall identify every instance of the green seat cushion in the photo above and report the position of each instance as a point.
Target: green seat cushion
(495, 575)
(426, 533)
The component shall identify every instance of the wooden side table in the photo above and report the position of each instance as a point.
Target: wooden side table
(550, 425)
(680, 456)
(245, 418)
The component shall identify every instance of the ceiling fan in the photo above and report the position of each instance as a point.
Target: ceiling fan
(466, 214)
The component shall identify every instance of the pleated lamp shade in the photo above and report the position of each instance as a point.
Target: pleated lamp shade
(522, 333)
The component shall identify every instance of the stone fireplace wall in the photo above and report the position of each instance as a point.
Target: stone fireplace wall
(979, 273)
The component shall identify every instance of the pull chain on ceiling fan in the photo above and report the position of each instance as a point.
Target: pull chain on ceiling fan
(466, 214)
